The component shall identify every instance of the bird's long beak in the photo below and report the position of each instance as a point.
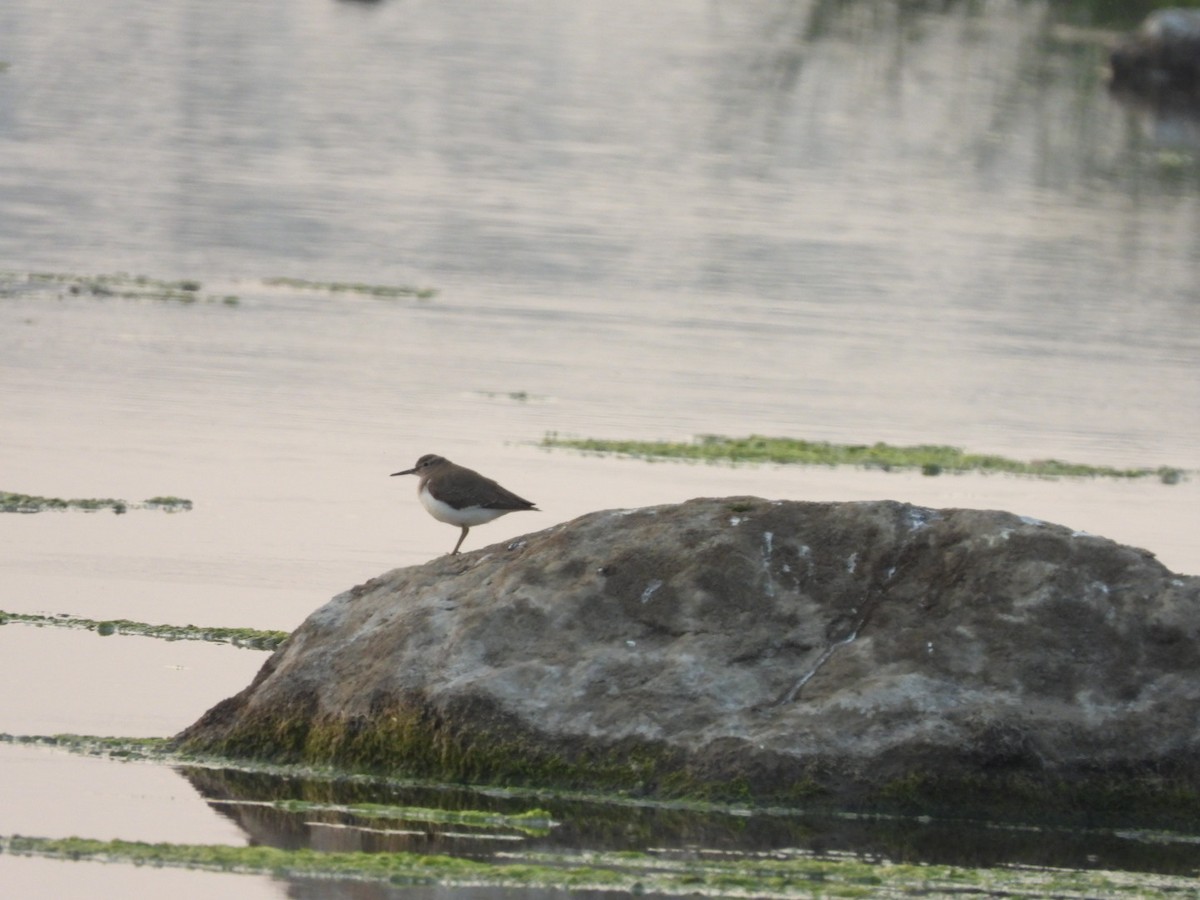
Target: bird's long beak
(405, 472)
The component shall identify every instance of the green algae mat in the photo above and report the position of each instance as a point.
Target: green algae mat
(126, 286)
(778, 875)
(29, 503)
(250, 638)
(929, 459)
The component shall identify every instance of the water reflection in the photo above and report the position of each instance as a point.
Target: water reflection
(302, 889)
(582, 825)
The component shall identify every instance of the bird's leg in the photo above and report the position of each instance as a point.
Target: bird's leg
(462, 537)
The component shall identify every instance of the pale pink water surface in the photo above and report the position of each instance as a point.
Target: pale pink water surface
(856, 221)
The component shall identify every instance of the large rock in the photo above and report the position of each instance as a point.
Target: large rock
(838, 652)
(1162, 58)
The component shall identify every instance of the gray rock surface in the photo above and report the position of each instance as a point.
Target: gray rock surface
(788, 649)
(1162, 57)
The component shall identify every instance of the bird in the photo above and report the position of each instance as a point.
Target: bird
(460, 496)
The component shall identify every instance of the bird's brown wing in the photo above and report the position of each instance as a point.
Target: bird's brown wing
(493, 496)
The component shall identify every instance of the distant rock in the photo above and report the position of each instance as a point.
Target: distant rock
(1162, 58)
(838, 653)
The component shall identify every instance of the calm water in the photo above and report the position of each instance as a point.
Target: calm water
(831, 219)
(849, 221)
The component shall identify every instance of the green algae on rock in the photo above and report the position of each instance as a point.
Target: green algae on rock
(408, 742)
(29, 503)
(431, 747)
(251, 638)
(930, 459)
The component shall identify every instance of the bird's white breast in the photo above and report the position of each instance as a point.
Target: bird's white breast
(444, 512)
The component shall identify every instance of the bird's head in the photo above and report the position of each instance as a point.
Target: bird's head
(424, 464)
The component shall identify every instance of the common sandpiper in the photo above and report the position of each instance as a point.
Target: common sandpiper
(460, 496)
